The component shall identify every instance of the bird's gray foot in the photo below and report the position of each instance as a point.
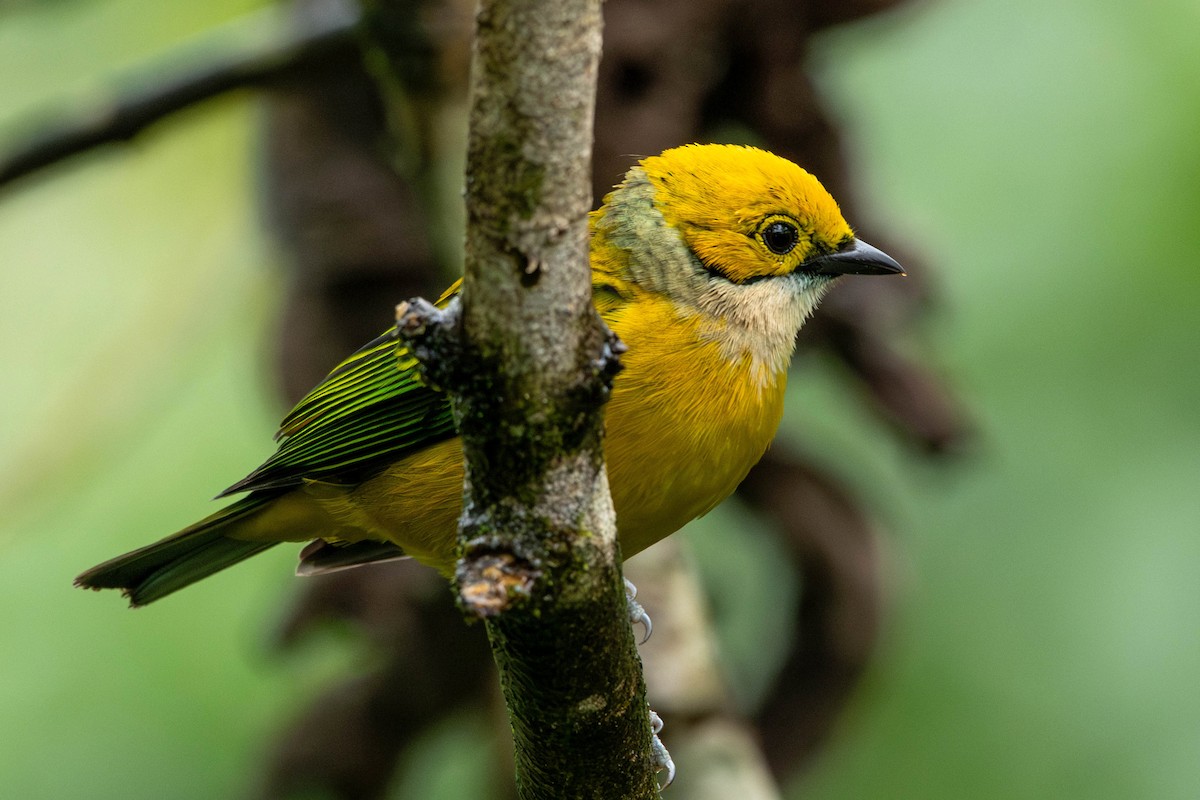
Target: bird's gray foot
(637, 614)
(662, 759)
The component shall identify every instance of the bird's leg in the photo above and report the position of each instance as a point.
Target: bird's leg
(637, 614)
(662, 759)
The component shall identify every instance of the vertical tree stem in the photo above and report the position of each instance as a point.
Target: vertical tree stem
(529, 364)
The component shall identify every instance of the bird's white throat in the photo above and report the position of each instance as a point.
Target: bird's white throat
(760, 320)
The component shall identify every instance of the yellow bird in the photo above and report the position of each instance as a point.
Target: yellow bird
(706, 260)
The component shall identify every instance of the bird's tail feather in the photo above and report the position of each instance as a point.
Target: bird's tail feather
(155, 571)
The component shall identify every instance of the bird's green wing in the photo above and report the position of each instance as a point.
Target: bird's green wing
(371, 410)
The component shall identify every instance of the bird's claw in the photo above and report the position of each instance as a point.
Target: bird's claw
(660, 756)
(662, 759)
(637, 614)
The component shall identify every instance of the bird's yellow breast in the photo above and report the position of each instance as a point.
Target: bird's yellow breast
(685, 422)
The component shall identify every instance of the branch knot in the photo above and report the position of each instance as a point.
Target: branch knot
(434, 336)
(492, 583)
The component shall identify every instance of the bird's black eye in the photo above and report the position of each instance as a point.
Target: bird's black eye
(780, 237)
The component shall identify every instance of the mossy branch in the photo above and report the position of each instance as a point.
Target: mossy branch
(529, 364)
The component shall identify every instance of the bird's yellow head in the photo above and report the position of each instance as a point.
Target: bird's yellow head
(743, 239)
(745, 213)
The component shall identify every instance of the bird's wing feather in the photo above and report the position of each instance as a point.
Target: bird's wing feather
(369, 411)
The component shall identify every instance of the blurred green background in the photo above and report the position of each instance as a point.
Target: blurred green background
(1043, 638)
